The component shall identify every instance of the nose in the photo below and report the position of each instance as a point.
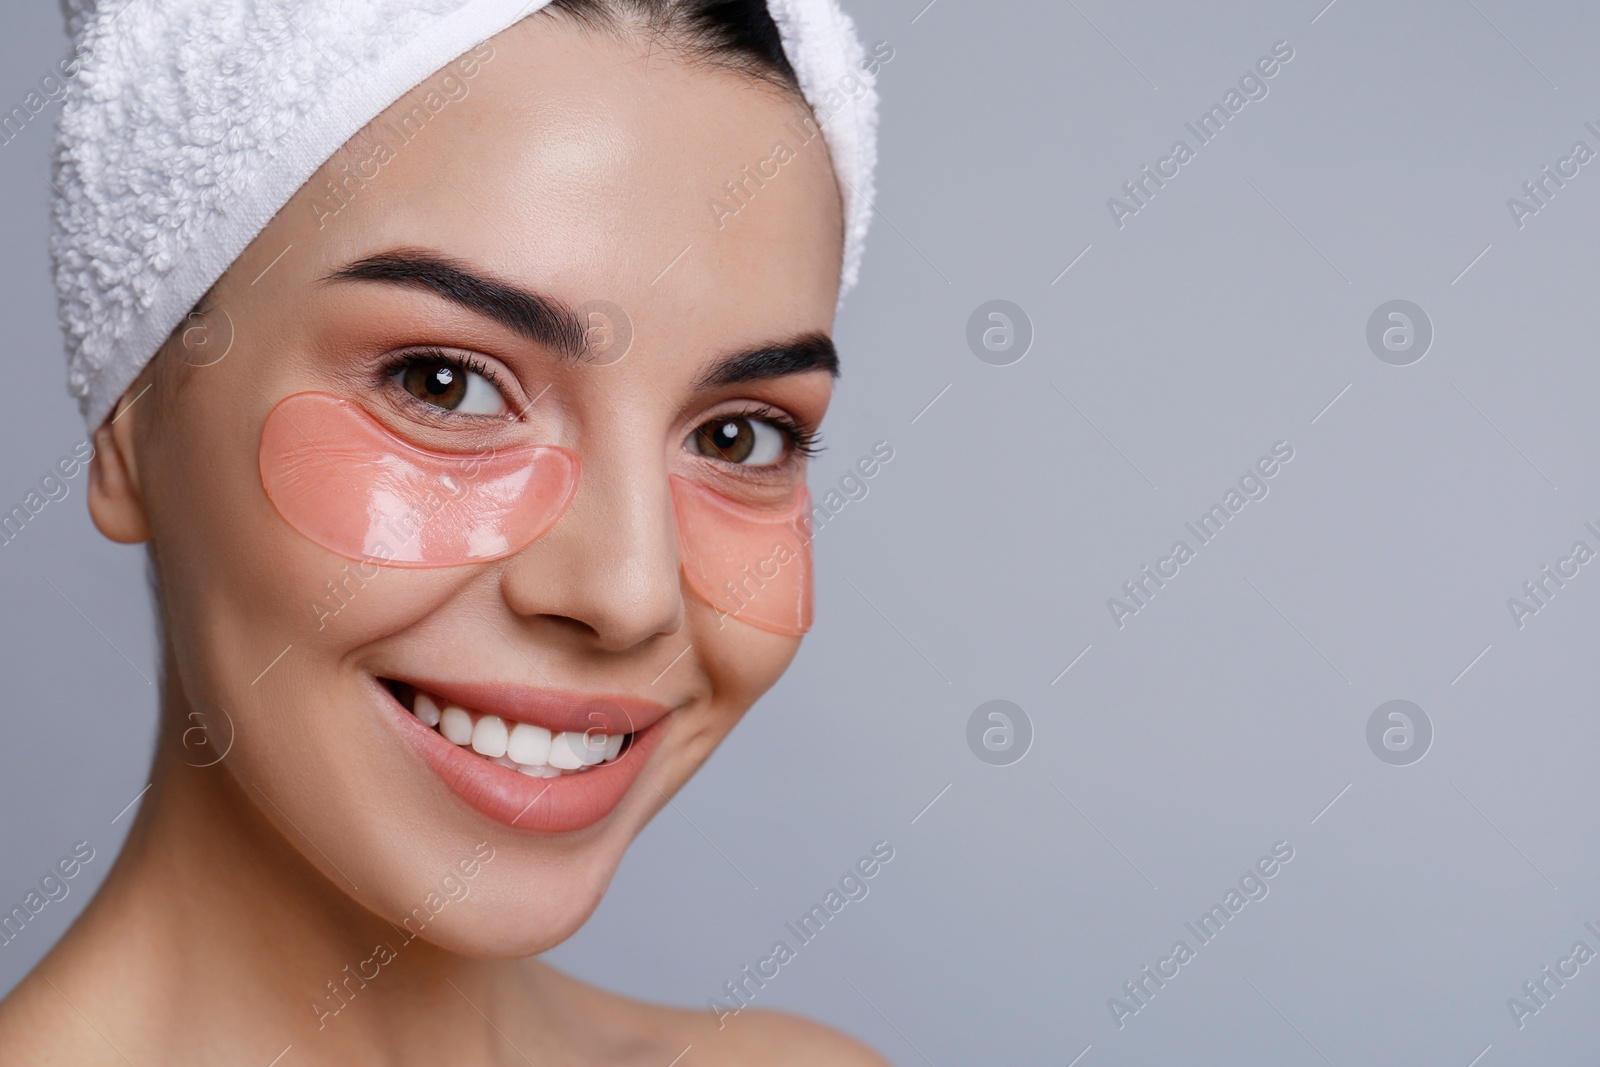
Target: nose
(610, 564)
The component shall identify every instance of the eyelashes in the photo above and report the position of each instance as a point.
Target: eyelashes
(399, 361)
(801, 439)
(445, 382)
(443, 386)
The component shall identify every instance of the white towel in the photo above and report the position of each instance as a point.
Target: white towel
(191, 122)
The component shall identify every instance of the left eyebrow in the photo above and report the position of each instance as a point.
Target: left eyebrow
(808, 352)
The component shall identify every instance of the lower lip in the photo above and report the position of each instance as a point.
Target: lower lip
(548, 805)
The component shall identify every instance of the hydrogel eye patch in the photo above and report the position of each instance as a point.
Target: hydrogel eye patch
(340, 478)
(750, 564)
(345, 481)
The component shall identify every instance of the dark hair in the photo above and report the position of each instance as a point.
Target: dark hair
(737, 34)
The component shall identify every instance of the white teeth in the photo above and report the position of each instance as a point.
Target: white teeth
(489, 736)
(425, 709)
(456, 725)
(529, 745)
(518, 746)
(566, 751)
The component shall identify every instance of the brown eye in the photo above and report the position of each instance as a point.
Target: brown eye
(435, 381)
(451, 385)
(740, 439)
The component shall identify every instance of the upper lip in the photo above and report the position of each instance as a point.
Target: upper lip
(554, 709)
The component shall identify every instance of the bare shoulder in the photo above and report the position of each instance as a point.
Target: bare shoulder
(687, 1037)
(39, 1026)
(776, 1038)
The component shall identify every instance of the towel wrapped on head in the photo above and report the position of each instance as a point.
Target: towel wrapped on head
(190, 123)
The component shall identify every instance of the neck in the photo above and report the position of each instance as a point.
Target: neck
(214, 931)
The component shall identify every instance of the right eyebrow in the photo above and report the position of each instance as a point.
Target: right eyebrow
(539, 318)
(808, 352)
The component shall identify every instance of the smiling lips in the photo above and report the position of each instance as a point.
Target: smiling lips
(564, 772)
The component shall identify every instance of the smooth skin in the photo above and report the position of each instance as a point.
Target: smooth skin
(579, 165)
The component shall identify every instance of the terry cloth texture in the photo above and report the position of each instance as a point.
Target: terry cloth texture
(192, 122)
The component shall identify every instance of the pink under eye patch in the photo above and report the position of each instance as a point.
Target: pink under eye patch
(346, 482)
(750, 564)
(342, 479)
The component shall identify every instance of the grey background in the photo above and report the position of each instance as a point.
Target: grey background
(1224, 316)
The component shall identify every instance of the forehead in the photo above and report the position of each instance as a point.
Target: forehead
(592, 165)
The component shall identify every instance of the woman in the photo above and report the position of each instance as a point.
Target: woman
(473, 490)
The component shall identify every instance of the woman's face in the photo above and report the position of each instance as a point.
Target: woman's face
(558, 169)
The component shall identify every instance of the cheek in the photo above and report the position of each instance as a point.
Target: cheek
(342, 480)
(742, 664)
(750, 564)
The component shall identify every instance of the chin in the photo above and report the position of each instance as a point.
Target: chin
(509, 915)
(497, 814)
